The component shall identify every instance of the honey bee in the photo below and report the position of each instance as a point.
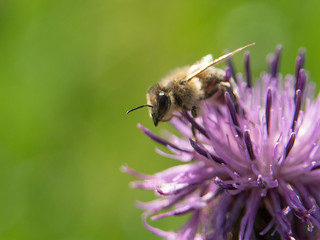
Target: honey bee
(183, 89)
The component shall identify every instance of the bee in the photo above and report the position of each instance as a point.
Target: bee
(183, 89)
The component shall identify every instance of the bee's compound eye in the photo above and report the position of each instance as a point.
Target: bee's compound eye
(163, 101)
(163, 104)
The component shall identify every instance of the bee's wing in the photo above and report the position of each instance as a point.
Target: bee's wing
(203, 62)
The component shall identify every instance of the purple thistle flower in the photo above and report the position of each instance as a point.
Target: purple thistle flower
(251, 174)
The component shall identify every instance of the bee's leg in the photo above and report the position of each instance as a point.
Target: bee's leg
(193, 129)
(177, 116)
(195, 111)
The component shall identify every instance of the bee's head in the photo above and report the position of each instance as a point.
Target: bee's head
(160, 101)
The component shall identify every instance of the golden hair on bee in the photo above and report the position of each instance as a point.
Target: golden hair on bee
(184, 88)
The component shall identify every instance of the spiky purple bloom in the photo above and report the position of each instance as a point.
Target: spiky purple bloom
(252, 173)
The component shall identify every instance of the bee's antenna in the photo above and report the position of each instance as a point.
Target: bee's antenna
(145, 105)
(220, 59)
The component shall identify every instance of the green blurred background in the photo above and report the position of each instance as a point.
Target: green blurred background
(69, 70)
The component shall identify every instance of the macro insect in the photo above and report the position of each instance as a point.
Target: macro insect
(183, 89)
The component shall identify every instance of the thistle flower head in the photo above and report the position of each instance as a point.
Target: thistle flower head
(253, 171)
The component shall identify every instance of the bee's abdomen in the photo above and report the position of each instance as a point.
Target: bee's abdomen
(211, 80)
